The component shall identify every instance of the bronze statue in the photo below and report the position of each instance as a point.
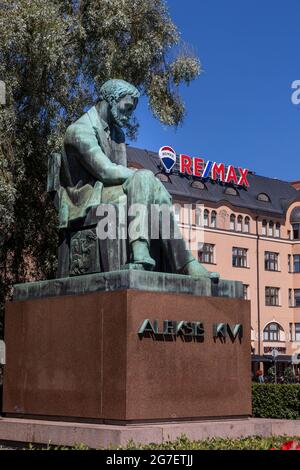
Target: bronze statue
(93, 171)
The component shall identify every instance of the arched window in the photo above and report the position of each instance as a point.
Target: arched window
(271, 229)
(277, 230)
(263, 197)
(247, 224)
(295, 222)
(163, 177)
(264, 227)
(272, 332)
(213, 219)
(231, 191)
(296, 231)
(198, 185)
(206, 218)
(239, 225)
(198, 221)
(232, 222)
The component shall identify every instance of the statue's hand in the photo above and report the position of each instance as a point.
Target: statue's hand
(130, 172)
(127, 172)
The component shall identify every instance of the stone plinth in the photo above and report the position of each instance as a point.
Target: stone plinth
(98, 436)
(81, 357)
(122, 280)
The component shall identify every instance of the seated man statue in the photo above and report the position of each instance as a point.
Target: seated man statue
(94, 171)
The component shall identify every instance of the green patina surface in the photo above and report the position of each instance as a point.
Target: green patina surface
(92, 170)
(127, 279)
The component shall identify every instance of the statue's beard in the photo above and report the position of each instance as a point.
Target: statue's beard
(118, 117)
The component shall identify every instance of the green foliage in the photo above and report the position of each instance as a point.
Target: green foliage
(54, 56)
(289, 375)
(271, 374)
(276, 401)
(183, 443)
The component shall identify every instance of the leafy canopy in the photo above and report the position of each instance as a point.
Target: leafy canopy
(54, 56)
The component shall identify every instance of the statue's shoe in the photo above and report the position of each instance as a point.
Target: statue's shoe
(132, 266)
(195, 269)
(147, 264)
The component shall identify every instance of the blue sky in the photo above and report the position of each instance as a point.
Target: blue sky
(239, 111)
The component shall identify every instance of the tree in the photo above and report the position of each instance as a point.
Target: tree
(54, 56)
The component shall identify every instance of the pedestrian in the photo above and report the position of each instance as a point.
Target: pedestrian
(260, 376)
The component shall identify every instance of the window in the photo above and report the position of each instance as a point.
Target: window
(177, 210)
(198, 216)
(247, 224)
(206, 253)
(297, 331)
(290, 298)
(213, 219)
(245, 291)
(271, 261)
(296, 231)
(296, 297)
(296, 263)
(206, 218)
(263, 197)
(231, 191)
(272, 296)
(290, 331)
(277, 230)
(264, 227)
(271, 229)
(289, 263)
(239, 257)
(272, 332)
(163, 177)
(232, 222)
(239, 225)
(198, 185)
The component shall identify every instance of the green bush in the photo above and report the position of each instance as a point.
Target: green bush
(276, 401)
(183, 443)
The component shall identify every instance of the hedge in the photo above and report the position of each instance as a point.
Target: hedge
(183, 443)
(276, 401)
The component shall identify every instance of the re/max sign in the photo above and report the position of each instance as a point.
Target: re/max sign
(189, 328)
(216, 171)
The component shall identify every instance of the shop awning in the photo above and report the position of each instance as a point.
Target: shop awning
(269, 358)
(284, 358)
(257, 358)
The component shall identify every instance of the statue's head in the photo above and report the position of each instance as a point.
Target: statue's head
(122, 98)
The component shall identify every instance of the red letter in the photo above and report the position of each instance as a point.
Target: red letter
(231, 175)
(198, 166)
(218, 170)
(243, 178)
(185, 164)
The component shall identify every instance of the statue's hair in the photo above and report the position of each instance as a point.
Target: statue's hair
(114, 90)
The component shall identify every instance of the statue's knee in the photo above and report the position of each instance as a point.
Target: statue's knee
(145, 174)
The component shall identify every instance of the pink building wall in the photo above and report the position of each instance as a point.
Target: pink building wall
(255, 275)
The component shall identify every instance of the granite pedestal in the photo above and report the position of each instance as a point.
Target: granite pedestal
(74, 350)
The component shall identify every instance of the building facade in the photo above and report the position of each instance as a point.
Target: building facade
(246, 234)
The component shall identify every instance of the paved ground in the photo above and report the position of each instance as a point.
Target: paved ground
(95, 436)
